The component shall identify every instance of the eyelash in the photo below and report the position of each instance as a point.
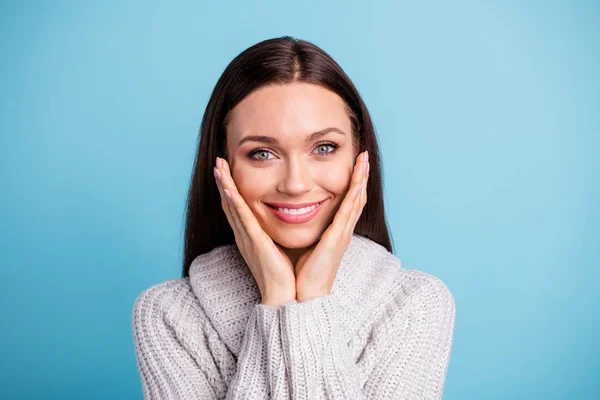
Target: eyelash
(332, 144)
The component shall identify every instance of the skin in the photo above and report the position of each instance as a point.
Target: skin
(292, 260)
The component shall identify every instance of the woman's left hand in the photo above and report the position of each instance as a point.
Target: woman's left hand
(317, 266)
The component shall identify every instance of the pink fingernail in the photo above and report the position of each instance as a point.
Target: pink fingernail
(217, 174)
(227, 194)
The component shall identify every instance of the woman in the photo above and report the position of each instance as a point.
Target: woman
(289, 286)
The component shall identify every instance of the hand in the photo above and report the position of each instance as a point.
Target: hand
(317, 266)
(270, 266)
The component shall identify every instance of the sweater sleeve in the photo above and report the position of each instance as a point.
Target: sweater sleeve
(175, 365)
(297, 351)
(412, 348)
(260, 370)
(167, 369)
(318, 362)
(408, 351)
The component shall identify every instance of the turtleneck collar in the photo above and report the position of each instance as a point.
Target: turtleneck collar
(228, 293)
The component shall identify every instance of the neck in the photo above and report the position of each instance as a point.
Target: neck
(292, 253)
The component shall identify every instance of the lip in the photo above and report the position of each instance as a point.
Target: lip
(295, 219)
(292, 205)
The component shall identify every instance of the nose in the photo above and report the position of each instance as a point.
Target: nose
(296, 179)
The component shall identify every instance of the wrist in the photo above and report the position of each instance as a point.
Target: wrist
(301, 298)
(276, 299)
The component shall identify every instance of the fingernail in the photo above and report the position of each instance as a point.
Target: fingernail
(217, 174)
(227, 193)
(366, 156)
(218, 162)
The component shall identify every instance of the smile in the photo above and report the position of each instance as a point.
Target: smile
(296, 215)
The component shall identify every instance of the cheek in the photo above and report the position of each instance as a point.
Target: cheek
(335, 179)
(251, 183)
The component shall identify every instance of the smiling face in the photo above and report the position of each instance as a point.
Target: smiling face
(291, 163)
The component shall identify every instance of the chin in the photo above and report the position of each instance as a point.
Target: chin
(295, 238)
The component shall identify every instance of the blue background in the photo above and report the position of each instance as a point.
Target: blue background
(487, 115)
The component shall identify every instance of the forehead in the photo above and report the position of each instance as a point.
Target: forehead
(287, 111)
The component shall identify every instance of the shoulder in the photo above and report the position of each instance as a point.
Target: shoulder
(159, 297)
(418, 290)
(170, 311)
(175, 345)
(401, 284)
(378, 290)
(418, 310)
(170, 302)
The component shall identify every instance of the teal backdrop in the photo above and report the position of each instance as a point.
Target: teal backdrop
(488, 119)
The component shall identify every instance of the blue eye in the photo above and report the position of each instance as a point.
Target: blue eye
(264, 153)
(326, 145)
(260, 152)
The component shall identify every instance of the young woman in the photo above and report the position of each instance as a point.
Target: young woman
(289, 286)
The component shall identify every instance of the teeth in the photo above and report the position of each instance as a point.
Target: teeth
(298, 211)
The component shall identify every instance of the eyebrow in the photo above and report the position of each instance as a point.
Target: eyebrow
(309, 138)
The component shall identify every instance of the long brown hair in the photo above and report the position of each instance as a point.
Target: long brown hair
(274, 61)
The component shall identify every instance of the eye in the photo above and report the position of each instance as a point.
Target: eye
(262, 154)
(324, 145)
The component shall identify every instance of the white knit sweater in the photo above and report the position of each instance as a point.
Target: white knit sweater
(384, 332)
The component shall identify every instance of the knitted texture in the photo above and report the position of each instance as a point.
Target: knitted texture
(384, 332)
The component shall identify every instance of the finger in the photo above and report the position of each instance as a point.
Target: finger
(225, 203)
(227, 179)
(343, 215)
(232, 217)
(233, 212)
(357, 173)
(225, 166)
(250, 225)
(354, 212)
(364, 199)
(359, 205)
(360, 173)
(229, 187)
(363, 194)
(245, 215)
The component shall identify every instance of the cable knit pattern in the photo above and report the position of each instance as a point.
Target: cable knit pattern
(384, 332)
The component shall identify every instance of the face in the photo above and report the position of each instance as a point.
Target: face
(274, 159)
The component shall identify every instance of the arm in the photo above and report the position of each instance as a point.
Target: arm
(317, 360)
(408, 351)
(412, 360)
(260, 370)
(406, 356)
(167, 369)
(176, 361)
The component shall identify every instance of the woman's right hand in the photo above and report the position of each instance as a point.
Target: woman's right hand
(270, 266)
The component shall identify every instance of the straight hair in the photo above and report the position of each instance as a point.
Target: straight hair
(282, 60)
